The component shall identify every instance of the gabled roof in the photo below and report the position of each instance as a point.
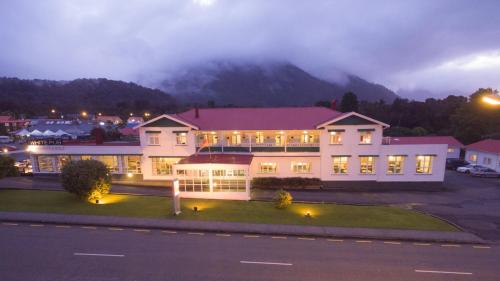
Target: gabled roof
(5, 118)
(488, 145)
(218, 158)
(351, 116)
(157, 120)
(449, 140)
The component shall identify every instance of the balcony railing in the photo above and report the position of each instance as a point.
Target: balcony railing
(261, 147)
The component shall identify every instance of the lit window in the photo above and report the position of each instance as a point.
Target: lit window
(367, 165)
(46, 164)
(424, 164)
(236, 138)
(487, 161)
(110, 161)
(395, 164)
(339, 164)
(335, 137)
(162, 166)
(280, 139)
(268, 168)
(181, 138)
(450, 150)
(365, 137)
(301, 167)
(86, 157)
(259, 137)
(132, 164)
(153, 139)
(473, 157)
(306, 137)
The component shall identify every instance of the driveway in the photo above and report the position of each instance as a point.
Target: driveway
(471, 203)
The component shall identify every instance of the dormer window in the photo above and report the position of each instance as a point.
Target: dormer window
(336, 136)
(153, 137)
(181, 137)
(236, 138)
(365, 136)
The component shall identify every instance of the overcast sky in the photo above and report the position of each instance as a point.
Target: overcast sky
(437, 45)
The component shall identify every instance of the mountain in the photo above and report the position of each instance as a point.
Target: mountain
(38, 97)
(272, 84)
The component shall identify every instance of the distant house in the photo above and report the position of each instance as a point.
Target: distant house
(485, 153)
(11, 124)
(115, 120)
(454, 145)
(135, 120)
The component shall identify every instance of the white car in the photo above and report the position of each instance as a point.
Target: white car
(467, 169)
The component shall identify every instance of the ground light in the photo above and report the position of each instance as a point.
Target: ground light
(129, 175)
(308, 214)
(195, 208)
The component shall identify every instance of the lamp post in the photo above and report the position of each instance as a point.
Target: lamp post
(491, 99)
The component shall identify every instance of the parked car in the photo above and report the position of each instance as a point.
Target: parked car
(468, 168)
(485, 173)
(454, 163)
(7, 148)
(5, 139)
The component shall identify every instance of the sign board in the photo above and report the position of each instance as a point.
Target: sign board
(50, 141)
(176, 197)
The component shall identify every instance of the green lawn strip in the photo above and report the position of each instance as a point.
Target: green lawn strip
(219, 210)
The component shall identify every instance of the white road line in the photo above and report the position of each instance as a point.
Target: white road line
(335, 240)
(98, 255)
(443, 272)
(89, 227)
(141, 230)
(421, 244)
(222, 234)
(363, 241)
(36, 225)
(63, 226)
(306, 238)
(115, 228)
(251, 236)
(267, 263)
(169, 232)
(9, 223)
(278, 237)
(450, 245)
(196, 233)
(392, 242)
(481, 247)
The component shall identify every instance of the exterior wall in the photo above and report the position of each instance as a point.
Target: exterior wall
(284, 165)
(495, 159)
(455, 154)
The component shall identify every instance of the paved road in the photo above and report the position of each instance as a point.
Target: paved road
(50, 252)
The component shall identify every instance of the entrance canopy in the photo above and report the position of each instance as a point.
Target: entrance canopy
(218, 158)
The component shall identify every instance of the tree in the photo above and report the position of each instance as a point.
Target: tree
(282, 199)
(87, 179)
(349, 102)
(7, 167)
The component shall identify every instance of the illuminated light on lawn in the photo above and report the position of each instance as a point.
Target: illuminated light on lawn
(5, 150)
(308, 214)
(195, 208)
(129, 175)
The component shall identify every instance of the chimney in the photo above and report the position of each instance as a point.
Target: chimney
(333, 105)
(196, 112)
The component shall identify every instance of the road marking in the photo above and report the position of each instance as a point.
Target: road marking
(9, 223)
(481, 247)
(443, 272)
(222, 234)
(251, 236)
(267, 263)
(278, 237)
(363, 241)
(115, 228)
(392, 242)
(421, 244)
(89, 227)
(306, 238)
(98, 255)
(196, 233)
(335, 240)
(142, 230)
(36, 225)
(450, 245)
(63, 226)
(169, 232)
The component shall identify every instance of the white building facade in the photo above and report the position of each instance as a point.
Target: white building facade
(215, 153)
(485, 153)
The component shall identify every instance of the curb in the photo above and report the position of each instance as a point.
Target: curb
(245, 228)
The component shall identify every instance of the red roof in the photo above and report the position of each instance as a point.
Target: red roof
(488, 145)
(218, 158)
(92, 143)
(5, 118)
(129, 132)
(281, 118)
(449, 140)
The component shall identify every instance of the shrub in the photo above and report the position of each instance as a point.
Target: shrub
(7, 167)
(87, 179)
(291, 183)
(282, 199)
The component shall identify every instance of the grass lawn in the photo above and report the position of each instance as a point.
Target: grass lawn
(217, 210)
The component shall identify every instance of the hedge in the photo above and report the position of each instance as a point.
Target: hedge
(287, 183)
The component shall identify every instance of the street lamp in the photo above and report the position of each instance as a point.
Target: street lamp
(53, 110)
(493, 100)
(84, 113)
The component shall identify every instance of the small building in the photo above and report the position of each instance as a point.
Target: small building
(485, 153)
(453, 150)
(135, 120)
(11, 124)
(108, 119)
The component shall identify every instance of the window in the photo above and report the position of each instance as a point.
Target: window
(162, 166)
(487, 161)
(110, 161)
(236, 138)
(229, 185)
(46, 164)
(132, 164)
(279, 139)
(181, 138)
(259, 137)
(335, 137)
(473, 157)
(395, 164)
(306, 138)
(193, 180)
(424, 164)
(268, 168)
(61, 161)
(86, 157)
(365, 137)
(211, 138)
(367, 165)
(450, 150)
(339, 164)
(301, 167)
(153, 139)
